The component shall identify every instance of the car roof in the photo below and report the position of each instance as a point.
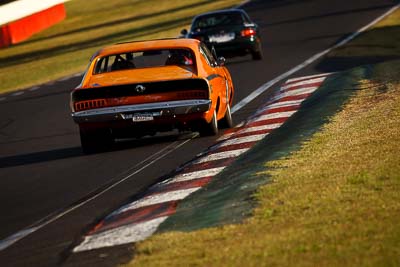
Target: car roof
(148, 45)
(222, 11)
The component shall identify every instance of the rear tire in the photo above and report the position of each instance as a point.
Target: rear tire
(93, 141)
(210, 128)
(226, 121)
(257, 55)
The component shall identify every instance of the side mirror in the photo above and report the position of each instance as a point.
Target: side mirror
(221, 61)
(184, 32)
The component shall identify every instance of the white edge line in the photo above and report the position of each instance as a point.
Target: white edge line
(5, 243)
(285, 75)
(29, 230)
(34, 88)
(18, 93)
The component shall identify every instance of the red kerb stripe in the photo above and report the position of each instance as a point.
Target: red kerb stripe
(136, 216)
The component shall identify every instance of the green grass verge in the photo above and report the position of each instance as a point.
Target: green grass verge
(65, 48)
(334, 201)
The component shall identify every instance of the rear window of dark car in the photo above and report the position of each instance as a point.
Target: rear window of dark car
(144, 59)
(215, 20)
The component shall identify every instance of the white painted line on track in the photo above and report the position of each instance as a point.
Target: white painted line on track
(34, 88)
(18, 93)
(15, 237)
(307, 62)
(194, 175)
(54, 217)
(65, 78)
(77, 74)
(121, 235)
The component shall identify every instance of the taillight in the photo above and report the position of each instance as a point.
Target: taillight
(248, 32)
(89, 104)
(192, 95)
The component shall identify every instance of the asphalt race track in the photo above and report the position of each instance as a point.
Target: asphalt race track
(47, 184)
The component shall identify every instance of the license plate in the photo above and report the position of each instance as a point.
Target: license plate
(142, 117)
(222, 38)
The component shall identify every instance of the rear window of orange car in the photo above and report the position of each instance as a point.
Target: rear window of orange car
(145, 59)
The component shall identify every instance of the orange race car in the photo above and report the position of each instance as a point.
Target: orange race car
(141, 88)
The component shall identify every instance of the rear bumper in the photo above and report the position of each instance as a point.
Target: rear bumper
(160, 109)
(241, 46)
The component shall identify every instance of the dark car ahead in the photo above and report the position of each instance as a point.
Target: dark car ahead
(231, 32)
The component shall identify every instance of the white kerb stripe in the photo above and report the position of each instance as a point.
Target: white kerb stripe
(241, 140)
(157, 199)
(251, 129)
(305, 82)
(121, 235)
(226, 136)
(221, 155)
(260, 128)
(295, 92)
(309, 77)
(282, 104)
(195, 175)
(276, 115)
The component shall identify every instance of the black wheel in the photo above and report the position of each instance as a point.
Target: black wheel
(93, 141)
(210, 128)
(226, 121)
(257, 55)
